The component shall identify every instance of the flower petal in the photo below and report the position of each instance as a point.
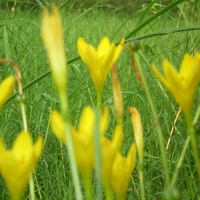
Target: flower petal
(103, 47)
(57, 126)
(6, 89)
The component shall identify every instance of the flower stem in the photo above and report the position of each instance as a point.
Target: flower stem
(70, 147)
(192, 134)
(157, 125)
(179, 163)
(73, 165)
(141, 178)
(109, 193)
(98, 152)
(88, 188)
(31, 186)
(21, 100)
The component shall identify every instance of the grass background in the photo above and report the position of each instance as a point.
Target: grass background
(20, 41)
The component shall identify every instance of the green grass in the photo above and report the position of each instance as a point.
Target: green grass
(20, 41)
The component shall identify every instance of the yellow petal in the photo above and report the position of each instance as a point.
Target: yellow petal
(186, 65)
(107, 61)
(23, 147)
(103, 47)
(172, 75)
(83, 140)
(86, 121)
(109, 150)
(82, 46)
(118, 50)
(6, 89)
(57, 126)
(38, 147)
(121, 172)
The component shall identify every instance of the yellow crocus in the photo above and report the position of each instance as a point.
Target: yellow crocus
(6, 89)
(83, 137)
(17, 164)
(100, 60)
(182, 84)
(121, 172)
(52, 36)
(109, 149)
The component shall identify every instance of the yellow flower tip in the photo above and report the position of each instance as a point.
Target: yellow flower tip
(83, 141)
(118, 138)
(119, 49)
(121, 172)
(52, 36)
(87, 119)
(16, 165)
(6, 89)
(183, 82)
(109, 149)
(138, 132)
(57, 126)
(100, 60)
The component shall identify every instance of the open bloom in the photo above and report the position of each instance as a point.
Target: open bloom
(121, 172)
(16, 165)
(83, 137)
(6, 89)
(52, 36)
(100, 60)
(182, 84)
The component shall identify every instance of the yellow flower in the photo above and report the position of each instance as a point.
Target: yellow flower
(138, 133)
(83, 137)
(99, 61)
(182, 84)
(121, 172)
(6, 89)
(109, 149)
(17, 164)
(52, 36)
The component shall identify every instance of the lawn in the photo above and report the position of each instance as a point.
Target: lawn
(163, 32)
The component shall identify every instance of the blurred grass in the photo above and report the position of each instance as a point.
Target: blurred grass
(20, 41)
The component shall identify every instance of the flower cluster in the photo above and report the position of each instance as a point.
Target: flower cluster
(99, 62)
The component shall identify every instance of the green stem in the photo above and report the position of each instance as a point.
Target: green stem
(70, 147)
(109, 193)
(98, 153)
(192, 135)
(154, 113)
(24, 119)
(141, 178)
(179, 163)
(88, 188)
(23, 110)
(31, 187)
(73, 165)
